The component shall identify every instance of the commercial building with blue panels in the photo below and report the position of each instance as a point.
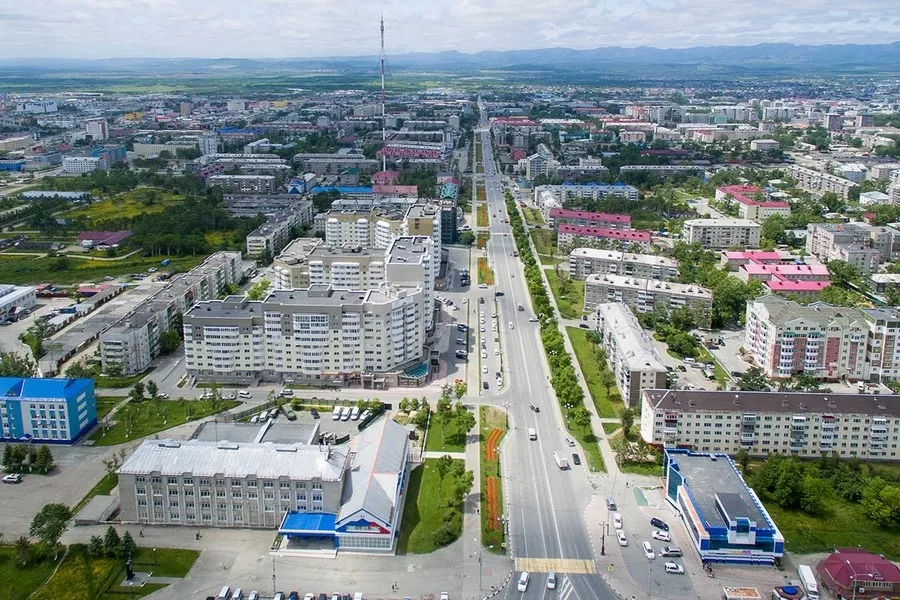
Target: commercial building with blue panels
(726, 521)
(49, 411)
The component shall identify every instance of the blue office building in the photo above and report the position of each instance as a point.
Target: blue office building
(726, 521)
(12, 164)
(49, 411)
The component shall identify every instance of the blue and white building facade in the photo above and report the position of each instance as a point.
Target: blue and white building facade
(49, 411)
(725, 519)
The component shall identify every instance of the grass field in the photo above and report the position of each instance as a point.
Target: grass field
(611, 428)
(481, 193)
(533, 216)
(569, 296)
(491, 418)
(449, 442)
(589, 442)
(485, 273)
(481, 215)
(543, 241)
(142, 201)
(481, 239)
(134, 421)
(165, 562)
(423, 513)
(102, 381)
(607, 406)
(66, 271)
(17, 581)
(649, 470)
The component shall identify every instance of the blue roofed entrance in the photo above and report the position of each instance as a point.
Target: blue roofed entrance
(307, 525)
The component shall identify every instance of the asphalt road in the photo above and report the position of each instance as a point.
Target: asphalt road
(545, 505)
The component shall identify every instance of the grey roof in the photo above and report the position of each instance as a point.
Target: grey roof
(375, 473)
(237, 460)
(779, 402)
(269, 432)
(714, 479)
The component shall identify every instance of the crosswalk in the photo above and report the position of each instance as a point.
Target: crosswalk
(557, 565)
(566, 589)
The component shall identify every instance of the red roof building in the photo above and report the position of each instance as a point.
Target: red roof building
(872, 575)
(751, 207)
(395, 191)
(574, 233)
(560, 216)
(103, 238)
(385, 177)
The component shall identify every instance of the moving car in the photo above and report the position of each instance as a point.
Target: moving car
(662, 536)
(617, 520)
(648, 550)
(512, 325)
(536, 409)
(623, 539)
(484, 384)
(671, 551)
(576, 459)
(461, 354)
(523, 581)
(674, 568)
(659, 524)
(551, 580)
(570, 442)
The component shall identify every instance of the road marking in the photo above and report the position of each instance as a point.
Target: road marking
(557, 565)
(566, 589)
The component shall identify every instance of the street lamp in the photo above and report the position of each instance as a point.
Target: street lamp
(603, 531)
(853, 578)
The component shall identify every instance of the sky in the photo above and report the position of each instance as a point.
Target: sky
(311, 28)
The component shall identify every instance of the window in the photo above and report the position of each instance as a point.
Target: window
(172, 481)
(188, 481)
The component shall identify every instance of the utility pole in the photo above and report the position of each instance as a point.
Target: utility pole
(603, 540)
(273, 577)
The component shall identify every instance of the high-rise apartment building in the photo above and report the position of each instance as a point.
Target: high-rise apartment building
(97, 129)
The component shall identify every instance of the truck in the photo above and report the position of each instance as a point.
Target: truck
(808, 579)
(561, 461)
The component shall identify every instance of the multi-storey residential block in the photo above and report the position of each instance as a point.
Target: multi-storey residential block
(662, 171)
(75, 165)
(334, 164)
(722, 233)
(354, 496)
(151, 150)
(49, 411)
(251, 205)
(271, 236)
(593, 261)
(647, 295)
(752, 202)
(561, 216)
(133, 342)
(726, 521)
(631, 355)
(786, 338)
(819, 182)
(14, 299)
(97, 129)
(765, 145)
(861, 245)
(624, 238)
(317, 334)
(244, 184)
(764, 423)
(570, 193)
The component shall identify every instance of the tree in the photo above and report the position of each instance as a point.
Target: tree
(137, 392)
(44, 459)
(16, 365)
(258, 291)
(95, 546)
(49, 524)
(128, 546)
(742, 458)
(112, 544)
(842, 273)
(754, 380)
(682, 344)
(466, 238)
(459, 389)
(78, 371)
(462, 485)
(404, 405)
(788, 486)
(152, 389)
(463, 418)
(814, 494)
(626, 417)
(421, 418)
(23, 550)
(170, 341)
(581, 418)
(607, 380)
(443, 465)
(443, 413)
(8, 460)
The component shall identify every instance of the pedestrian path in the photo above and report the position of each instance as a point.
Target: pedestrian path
(566, 589)
(556, 565)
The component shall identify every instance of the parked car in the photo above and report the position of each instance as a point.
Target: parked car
(12, 478)
(674, 568)
(623, 539)
(314, 412)
(648, 550)
(576, 459)
(617, 520)
(662, 536)
(671, 551)
(659, 524)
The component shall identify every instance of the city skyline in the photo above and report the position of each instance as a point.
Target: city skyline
(280, 29)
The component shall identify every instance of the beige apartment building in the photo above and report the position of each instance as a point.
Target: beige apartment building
(647, 295)
(819, 182)
(722, 233)
(764, 423)
(593, 261)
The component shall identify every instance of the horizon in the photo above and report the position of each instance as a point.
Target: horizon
(279, 29)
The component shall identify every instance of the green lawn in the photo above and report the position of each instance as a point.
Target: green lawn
(134, 421)
(165, 562)
(102, 381)
(546, 248)
(142, 201)
(533, 216)
(117, 592)
(66, 271)
(650, 470)
(424, 511)
(491, 418)
(611, 428)
(106, 404)
(451, 441)
(17, 581)
(80, 577)
(481, 215)
(569, 296)
(606, 406)
(591, 450)
(846, 527)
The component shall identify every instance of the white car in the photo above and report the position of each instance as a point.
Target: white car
(623, 540)
(512, 325)
(484, 369)
(483, 328)
(662, 536)
(245, 394)
(674, 568)
(617, 520)
(523, 582)
(551, 580)
(484, 354)
(465, 300)
(12, 478)
(648, 550)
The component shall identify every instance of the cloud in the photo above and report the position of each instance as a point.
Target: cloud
(307, 28)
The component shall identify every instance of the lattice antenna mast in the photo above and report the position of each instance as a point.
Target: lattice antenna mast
(383, 117)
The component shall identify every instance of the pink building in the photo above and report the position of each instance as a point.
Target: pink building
(733, 260)
(385, 177)
(395, 191)
(750, 207)
(567, 234)
(559, 216)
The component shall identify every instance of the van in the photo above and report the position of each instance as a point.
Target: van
(238, 594)
(336, 413)
(610, 503)
(345, 413)
(354, 413)
(224, 593)
(532, 434)
(689, 361)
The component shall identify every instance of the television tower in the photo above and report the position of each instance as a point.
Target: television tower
(383, 118)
